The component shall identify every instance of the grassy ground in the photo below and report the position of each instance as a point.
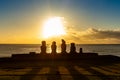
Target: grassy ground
(59, 70)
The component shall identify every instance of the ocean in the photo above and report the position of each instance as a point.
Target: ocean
(7, 50)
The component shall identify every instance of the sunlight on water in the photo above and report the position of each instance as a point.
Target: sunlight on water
(8, 49)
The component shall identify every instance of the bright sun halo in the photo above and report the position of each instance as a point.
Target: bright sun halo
(53, 27)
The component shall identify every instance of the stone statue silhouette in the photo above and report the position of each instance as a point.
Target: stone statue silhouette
(72, 48)
(53, 47)
(43, 47)
(63, 47)
(81, 50)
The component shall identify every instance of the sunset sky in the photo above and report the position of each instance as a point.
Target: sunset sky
(85, 21)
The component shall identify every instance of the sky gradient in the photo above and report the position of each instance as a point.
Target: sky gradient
(87, 21)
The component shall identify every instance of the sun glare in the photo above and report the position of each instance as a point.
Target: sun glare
(53, 27)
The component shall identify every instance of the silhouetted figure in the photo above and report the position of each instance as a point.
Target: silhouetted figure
(72, 48)
(43, 47)
(81, 50)
(53, 47)
(63, 47)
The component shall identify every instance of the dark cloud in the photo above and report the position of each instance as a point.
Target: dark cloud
(92, 35)
(101, 34)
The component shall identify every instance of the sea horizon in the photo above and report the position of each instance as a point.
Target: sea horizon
(101, 49)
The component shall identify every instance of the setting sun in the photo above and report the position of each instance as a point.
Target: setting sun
(53, 27)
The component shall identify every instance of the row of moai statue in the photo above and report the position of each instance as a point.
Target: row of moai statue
(63, 48)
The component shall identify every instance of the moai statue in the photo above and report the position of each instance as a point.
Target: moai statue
(53, 47)
(81, 50)
(43, 47)
(63, 47)
(72, 48)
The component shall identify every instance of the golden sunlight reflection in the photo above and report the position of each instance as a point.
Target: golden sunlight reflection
(53, 27)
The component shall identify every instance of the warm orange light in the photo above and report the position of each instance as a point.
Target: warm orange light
(53, 27)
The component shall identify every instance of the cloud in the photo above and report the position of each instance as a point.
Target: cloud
(101, 34)
(92, 35)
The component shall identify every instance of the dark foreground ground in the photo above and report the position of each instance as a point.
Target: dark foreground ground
(85, 69)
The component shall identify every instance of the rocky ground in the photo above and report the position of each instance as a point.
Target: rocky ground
(60, 70)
